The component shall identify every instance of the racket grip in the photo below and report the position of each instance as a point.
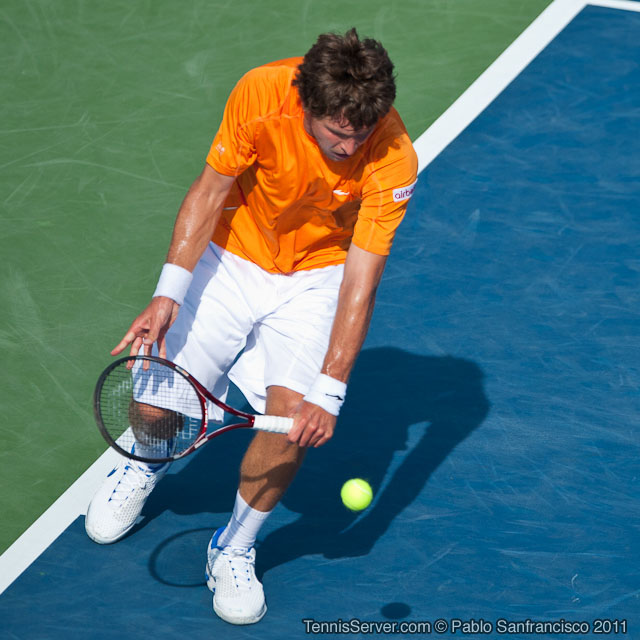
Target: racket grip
(275, 424)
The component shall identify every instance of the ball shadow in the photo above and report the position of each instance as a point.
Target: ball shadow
(390, 390)
(404, 415)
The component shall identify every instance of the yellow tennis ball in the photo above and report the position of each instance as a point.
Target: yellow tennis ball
(356, 494)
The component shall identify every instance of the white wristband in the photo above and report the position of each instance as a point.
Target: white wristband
(174, 282)
(328, 393)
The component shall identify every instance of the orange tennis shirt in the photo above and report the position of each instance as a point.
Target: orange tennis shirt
(291, 208)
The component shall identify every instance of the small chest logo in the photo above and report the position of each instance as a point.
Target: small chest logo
(404, 193)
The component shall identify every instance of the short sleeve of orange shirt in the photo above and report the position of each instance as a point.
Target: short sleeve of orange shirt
(291, 208)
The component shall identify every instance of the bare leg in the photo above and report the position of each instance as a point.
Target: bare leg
(271, 463)
(152, 425)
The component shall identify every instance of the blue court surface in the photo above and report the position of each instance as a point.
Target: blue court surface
(494, 408)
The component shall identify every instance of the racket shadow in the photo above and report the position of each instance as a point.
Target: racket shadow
(205, 482)
(405, 414)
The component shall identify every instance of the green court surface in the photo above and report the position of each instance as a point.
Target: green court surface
(108, 110)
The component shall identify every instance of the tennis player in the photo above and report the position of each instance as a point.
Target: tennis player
(271, 276)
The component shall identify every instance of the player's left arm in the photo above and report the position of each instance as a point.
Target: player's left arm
(385, 193)
(363, 270)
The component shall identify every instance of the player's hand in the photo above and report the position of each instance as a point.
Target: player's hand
(149, 327)
(312, 425)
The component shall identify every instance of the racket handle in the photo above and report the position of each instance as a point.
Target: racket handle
(275, 424)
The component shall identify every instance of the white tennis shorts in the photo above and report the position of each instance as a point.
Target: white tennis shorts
(255, 328)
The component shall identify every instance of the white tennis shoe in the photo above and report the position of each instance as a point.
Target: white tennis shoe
(117, 504)
(238, 596)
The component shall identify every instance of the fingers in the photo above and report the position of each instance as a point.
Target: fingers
(312, 427)
(128, 339)
(162, 346)
(135, 338)
(298, 425)
(150, 326)
(162, 343)
(150, 335)
(135, 346)
(312, 435)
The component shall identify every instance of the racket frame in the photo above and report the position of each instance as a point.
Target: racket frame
(203, 395)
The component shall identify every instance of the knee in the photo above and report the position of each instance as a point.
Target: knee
(150, 423)
(282, 401)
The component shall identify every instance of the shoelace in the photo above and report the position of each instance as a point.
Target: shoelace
(134, 477)
(241, 562)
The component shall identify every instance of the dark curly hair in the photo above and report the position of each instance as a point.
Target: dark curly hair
(345, 77)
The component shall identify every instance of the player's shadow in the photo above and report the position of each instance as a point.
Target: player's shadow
(404, 415)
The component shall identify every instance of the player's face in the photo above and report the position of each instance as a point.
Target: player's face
(337, 139)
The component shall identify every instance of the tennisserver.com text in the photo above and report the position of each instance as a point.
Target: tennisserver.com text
(455, 626)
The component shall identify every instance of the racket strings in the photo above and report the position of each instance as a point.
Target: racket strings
(150, 410)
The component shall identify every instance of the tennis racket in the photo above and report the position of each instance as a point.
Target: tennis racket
(152, 410)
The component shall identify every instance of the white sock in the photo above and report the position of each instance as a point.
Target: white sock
(244, 525)
(156, 450)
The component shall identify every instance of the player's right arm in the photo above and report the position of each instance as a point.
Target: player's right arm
(194, 226)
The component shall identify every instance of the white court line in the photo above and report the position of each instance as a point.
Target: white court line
(625, 5)
(71, 504)
(502, 72)
(459, 115)
(495, 79)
